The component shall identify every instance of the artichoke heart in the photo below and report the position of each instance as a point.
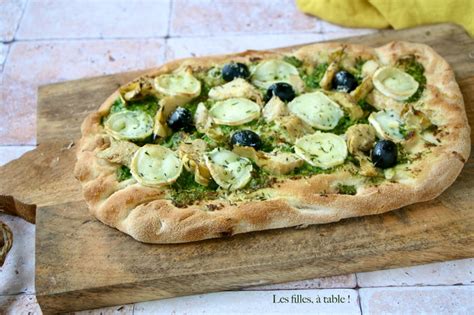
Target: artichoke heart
(275, 162)
(237, 88)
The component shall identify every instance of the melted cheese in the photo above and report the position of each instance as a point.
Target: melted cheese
(324, 150)
(229, 170)
(129, 125)
(268, 72)
(387, 125)
(317, 110)
(154, 165)
(234, 111)
(394, 83)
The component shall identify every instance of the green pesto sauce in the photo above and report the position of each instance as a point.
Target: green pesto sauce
(173, 141)
(292, 60)
(346, 189)
(260, 179)
(345, 122)
(148, 104)
(312, 79)
(123, 173)
(366, 107)
(403, 156)
(308, 170)
(411, 66)
(185, 191)
(202, 98)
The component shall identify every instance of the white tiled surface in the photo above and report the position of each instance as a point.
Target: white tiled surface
(259, 302)
(11, 12)
(45, 41)
(180, 47)
(418, 300)
(9, 153)
(123, 19)
(211, 17)
(17, 273)
(24, 304)
(446, 273)
(3, 54)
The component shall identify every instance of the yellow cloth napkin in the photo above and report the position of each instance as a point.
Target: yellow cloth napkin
(395, 13)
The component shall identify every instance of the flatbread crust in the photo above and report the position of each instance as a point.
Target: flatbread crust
(142, 212)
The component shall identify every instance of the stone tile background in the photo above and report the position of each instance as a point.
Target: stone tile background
(46, 41)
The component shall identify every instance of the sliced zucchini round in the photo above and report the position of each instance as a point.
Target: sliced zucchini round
(317, 110)
(395, 83)
(129, 125)
(155, 165)
(268, 72)
(387, 124)
(178, 84)
(229, 170)
(234, 111)
(324, 150)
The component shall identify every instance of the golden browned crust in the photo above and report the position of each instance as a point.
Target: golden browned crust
(143, 213)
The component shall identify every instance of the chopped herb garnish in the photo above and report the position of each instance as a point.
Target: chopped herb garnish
(185, 191)
(123, 173)
(346, 189)
(292, 60)
(411, 66)
(312, 79)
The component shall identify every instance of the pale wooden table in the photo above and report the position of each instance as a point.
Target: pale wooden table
(50, 41)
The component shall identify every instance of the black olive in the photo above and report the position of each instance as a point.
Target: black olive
(235, 70)
(281, 89)
(180, 119)
(246, 138)
(344, 81)
(384, 154)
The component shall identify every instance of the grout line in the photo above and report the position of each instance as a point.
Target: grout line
(28, 40)
(21, 19)
(7, 53)
(10, 43)
(199, 36)
(170, 13)
(312, 32)
(359, 302)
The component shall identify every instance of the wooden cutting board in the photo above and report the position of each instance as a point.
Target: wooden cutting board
(83, 264)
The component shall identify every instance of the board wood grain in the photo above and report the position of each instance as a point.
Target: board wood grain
(83, 264)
